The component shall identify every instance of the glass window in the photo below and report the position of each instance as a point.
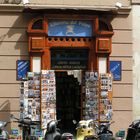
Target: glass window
(38, 25)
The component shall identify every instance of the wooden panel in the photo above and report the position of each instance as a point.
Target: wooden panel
(122, 50)
(103, 45)
(8, 76)
(13, 48)
(9, 104)
(122, 120)
(122, 36)
(127, 62)
(122, 103)
(69, 42)
(9, 34)
(125, 90)
(9, 62)
(37, 42)
(9, 90)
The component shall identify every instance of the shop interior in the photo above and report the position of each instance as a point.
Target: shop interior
(68, 101)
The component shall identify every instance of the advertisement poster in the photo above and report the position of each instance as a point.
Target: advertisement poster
(115, 69)
(23, 66)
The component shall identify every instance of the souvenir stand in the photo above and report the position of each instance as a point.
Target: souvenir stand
(38, 97)
(48, 97)
(97, 92)
(30, 97)
(30, 101)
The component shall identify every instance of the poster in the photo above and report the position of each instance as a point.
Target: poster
(115, 69)
(23, 67)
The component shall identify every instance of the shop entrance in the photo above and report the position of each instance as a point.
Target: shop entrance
(68, 101)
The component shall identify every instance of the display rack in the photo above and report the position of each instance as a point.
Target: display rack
(105, 97)
(48, 97)
(30, 97)
(97, 98)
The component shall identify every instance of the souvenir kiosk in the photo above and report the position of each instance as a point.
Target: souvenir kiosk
(69, 64)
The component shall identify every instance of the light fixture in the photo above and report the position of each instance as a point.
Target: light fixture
(118, 4)
(25, 2)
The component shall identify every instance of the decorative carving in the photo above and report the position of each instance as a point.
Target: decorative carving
(103, 45)
(37, 43)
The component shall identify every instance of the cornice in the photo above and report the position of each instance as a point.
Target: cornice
(33, 7)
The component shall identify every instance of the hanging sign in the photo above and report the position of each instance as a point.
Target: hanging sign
(115, 69)
(23, 67)
(77, 28)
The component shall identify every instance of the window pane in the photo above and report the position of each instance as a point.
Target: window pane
(38, 24)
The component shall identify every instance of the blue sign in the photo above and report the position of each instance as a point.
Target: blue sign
(23, 67)
(76, 28)
(15, 132)
(115, 69)
(38, 133)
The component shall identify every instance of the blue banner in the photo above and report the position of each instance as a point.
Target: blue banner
(23, 67)
(75, 28)
(115, 69)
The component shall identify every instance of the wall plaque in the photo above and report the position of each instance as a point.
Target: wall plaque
(23, 67)
(69, 59)
(115, 69)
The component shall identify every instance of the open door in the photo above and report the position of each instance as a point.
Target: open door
(68, 101)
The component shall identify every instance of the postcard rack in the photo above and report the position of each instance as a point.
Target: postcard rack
(30, 97)
(97, 96)
(38, 97)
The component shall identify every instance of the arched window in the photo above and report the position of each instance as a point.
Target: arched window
(104, 25)
(38, 25)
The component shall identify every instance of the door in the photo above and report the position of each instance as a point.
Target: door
(68, 101)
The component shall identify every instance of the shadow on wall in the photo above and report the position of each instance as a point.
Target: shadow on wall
(5, 113)
(16, 32)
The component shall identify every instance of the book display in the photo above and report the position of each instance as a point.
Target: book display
(48, 97)
(30, 97)
(98, 96)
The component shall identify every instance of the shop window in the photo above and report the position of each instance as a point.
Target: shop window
(36, 64)
(38, 25)
(102, 64)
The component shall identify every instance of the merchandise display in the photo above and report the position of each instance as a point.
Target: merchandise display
(105, 97)
(91, 96)
(48, 97)
(98, 96)
(30, 97)
(38, 96)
